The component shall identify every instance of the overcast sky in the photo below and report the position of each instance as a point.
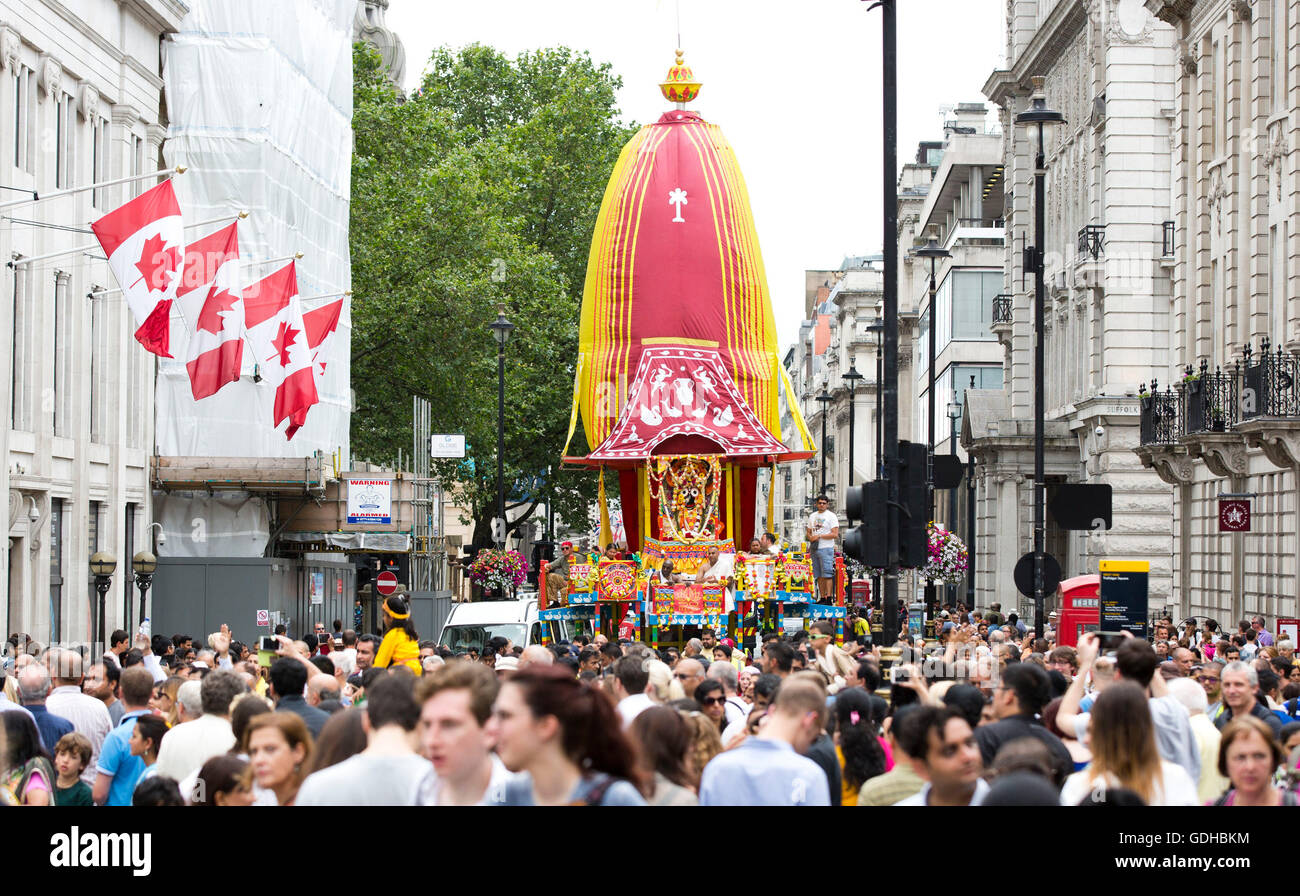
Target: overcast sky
(794, 86)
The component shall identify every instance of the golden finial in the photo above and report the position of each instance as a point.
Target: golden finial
(680, 86)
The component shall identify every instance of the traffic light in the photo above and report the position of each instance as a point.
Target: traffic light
(868, 543)
(914, 498)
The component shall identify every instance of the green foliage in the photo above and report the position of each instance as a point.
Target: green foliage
(478, 192)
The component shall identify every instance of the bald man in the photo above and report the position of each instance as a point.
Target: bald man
(535, 655)
(88, 715)
(323, 692)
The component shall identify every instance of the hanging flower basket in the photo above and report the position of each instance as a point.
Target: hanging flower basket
(498, 571)
(949, 558)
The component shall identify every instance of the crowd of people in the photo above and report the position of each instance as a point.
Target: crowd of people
(986, 714)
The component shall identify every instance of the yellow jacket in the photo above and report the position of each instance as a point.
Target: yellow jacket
(398, 649)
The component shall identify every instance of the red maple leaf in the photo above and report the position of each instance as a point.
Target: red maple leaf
(210, 315)
(158, 263)
(283, 341)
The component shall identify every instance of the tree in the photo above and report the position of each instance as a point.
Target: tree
(478, 192)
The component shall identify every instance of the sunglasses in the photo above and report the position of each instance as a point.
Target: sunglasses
(714, 701)
(680, 677)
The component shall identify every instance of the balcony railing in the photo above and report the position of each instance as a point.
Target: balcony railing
(1160, 415)
(972, 224)
(1263, 385)
(1167, 240)
(1210, 399)
(1092, 241)
(1002, 309)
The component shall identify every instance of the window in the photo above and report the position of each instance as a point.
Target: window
(56, 569)
(1280, 27)
(100, 165)
(60, 359)
(20, 372)
(65, 120)
(24, 90)
(97, 353)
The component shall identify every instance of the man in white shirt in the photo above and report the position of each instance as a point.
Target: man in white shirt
(455, 704)
(190, 744)
(388, 772)
(771, 543)
(631, 680)
(87, 715)
(721, 570)
(120, 643)
(822, 530)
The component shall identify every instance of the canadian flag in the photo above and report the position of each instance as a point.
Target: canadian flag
(212, 307)
(144, 241)
(320, 324)
(278, 340)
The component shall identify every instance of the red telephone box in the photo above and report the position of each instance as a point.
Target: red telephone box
(1080, 609)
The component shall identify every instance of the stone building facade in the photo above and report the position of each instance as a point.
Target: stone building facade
(1221, 419)
(1109, 68)
(79, 104)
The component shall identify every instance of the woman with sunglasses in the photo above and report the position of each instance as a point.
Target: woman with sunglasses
(712, 698)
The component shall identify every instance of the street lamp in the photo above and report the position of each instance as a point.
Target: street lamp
(1039, 122)
(102, 565)
(143, 564)
(852, 378)
(954, 414)
(501, 329)
(932, 251)
(825, 399)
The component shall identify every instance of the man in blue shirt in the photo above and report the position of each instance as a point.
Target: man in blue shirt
(767, 769)
(118, 770)
(33, 688)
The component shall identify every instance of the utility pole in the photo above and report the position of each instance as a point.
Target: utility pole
(889, 134)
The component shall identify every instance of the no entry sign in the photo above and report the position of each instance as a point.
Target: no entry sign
(386, 583)
(1234, 514)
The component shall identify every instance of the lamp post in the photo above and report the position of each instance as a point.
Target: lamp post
(954, 414)
(824, 399)
(852, 378)
(1039, 120)
(501, 333)
(102, 565)
(143, 564)
(932, 251)
(970, 518)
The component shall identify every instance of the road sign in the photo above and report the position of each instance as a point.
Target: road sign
(948, 471)
(1024, 574)
(1081, 506)
(264, 618)
(1124, 596)
(498, 530)
(448, 445)
(386, 583)
(1234, 514)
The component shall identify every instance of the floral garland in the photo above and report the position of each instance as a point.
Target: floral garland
(949, 558)
(498, 570)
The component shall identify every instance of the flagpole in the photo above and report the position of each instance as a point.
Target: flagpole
(17, 261)
(297, 256)
(328, 295)
(13, 203)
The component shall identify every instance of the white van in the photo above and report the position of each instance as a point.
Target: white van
(474, 624)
